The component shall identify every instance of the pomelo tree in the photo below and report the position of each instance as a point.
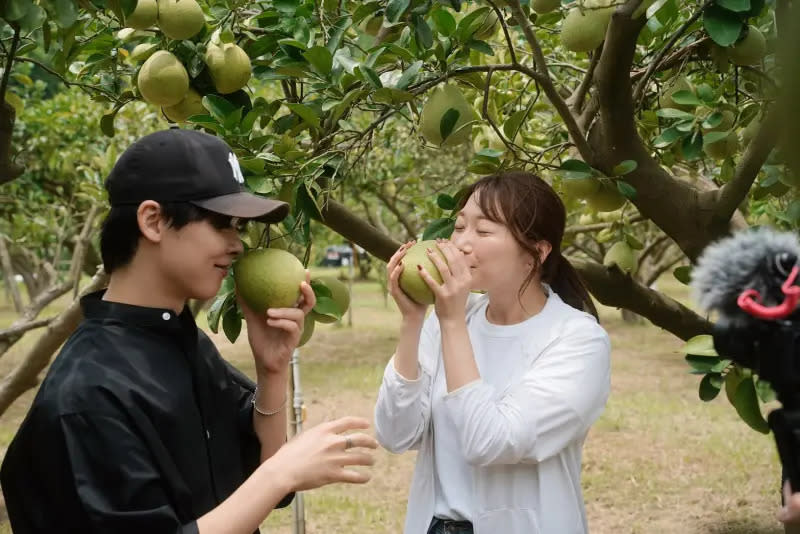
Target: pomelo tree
(659, 112)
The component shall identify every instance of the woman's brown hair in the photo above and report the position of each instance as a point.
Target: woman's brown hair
(533, 212)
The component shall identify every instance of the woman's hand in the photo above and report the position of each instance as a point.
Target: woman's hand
(321, 455)
(451, 295)
(409, 309)
(274, 337)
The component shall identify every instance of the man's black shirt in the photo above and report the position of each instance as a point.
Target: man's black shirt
(139, 426)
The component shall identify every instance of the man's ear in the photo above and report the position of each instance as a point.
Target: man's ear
(151, 220)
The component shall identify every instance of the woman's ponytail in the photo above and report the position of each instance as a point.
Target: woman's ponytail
(567, 283)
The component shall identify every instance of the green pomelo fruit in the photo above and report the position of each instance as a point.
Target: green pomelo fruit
(585, 31)
(410, 281)
(728, 119)
(192, 104)
(180, 19)
(749, 50)
(488, 26)
(621, 255)
(606, 198)
(144, 15)
(441, 100)
(580, 187)
(142, 51)
(268, 278)
(163, 79)
(723, 148)
(229, 66)
(340, 295)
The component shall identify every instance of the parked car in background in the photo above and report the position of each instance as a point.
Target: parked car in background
(341, 255)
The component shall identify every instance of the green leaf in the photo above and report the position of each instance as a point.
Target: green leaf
(514, 122)
(328, 307)
(307, 202)
(625, 167)
(575, 168)
(320, 58)
(667, 138)
(395, 9)
(107, 124)
(470, 23)
(422, 32)
(634, 243)
(446, 202)
(723, 26)
(220, 304)
(294, 43)
(392, 96)
(701, 345)
(746, 403)
(232, 324)
(219, 107)
(439, 228)
(16, 9)
(481, 46)
(286, 6)
(448, 122)
(364, 10)
(672, 113)
(371, 77)
(709, 387)
(686, 98)
(713, 120)
(683, 274)
(764, 390)
(692, 146)
(339, 29)
(735, 5)
(705, 92)
(320, 289)
(306, 113)
(409, 75)
(713, 137)
(701, 364)
(627, 190)
(443, 21)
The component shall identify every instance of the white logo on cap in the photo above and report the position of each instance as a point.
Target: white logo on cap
(237, 171)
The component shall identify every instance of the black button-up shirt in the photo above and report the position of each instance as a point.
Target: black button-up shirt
(139, 426)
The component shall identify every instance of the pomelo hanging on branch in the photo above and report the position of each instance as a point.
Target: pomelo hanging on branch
(180, 19)
(163, 79)
(750, 50)
(621, 255)
(446, 117)
(229, 67)
(268, 278)
(584, 29)
(144, 15)
(192, 104)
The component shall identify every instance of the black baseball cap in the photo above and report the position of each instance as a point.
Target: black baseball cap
(178, 165)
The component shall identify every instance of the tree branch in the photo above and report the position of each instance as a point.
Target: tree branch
(575, 132)
(17, 331)
(639, 93)
(730, 196)
(575, 101)
(9, 275)
(594, 227)
(614, 288)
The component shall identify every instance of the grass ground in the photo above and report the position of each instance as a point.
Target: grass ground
(658, 461)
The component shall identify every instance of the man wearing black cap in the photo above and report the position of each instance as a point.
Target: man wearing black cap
(140, 425)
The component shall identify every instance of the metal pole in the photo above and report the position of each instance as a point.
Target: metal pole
(298, 504)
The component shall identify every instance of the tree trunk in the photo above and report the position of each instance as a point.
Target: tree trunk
(12, 290)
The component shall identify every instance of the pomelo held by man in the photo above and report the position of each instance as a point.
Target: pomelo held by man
(410, 281)
(339, 294)
(268, 278)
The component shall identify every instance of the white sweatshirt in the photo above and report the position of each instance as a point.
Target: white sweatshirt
(518, 433)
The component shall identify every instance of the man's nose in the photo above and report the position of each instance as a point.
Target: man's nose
(235, 246)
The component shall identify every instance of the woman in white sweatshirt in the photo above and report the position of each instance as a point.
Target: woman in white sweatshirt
(497, 390)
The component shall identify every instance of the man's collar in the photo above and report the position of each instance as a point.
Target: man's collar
(162, 319)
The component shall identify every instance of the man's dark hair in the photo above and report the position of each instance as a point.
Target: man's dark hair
(119, 236)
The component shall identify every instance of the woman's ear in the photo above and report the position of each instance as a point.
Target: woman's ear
(544, 249)
(150, 220)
